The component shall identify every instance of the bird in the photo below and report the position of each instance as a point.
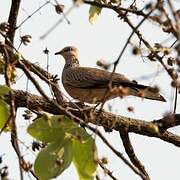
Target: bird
(93, 85)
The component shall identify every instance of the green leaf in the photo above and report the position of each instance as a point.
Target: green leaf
(85, 156)
(4, 90)
(50, 128)
(54, 159)
(47, 128)
(4, 114)
(94, 12)
(67, 124)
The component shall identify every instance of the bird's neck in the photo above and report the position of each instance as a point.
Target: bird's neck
(71, 62)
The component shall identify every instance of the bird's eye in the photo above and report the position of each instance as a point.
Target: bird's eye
(68, 49)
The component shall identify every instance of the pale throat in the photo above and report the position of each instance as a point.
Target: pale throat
(71, 61)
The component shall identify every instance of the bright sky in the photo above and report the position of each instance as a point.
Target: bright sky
(104, 40)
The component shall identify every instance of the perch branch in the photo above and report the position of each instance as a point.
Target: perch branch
(108, 120)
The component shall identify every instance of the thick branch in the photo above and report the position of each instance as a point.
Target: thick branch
(13, 19)
(108, 120)
(169, 121)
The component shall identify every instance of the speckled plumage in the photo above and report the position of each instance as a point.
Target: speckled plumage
(91, 85)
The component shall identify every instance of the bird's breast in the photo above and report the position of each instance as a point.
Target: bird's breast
(91, 96)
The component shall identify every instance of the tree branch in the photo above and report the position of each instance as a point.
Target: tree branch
(12, 20)
(108, 120)
(130, 152)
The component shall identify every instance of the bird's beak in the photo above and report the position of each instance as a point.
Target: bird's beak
(57, 53)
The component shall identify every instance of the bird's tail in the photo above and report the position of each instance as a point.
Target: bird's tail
(146, 92)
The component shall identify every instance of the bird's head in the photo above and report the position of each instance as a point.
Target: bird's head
(69, 52)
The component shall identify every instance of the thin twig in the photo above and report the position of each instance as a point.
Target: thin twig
(33, 80)
(130, 152)
(58, 22)
(12, 118)
(175, 99)
(37, 10)
(107, 171)
(176, 19)
(33, 174)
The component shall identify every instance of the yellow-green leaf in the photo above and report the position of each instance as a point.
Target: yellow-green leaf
(4, 90)
(46, 129)
(4, 114)
(85, 156)
(54, 159)
(94, 12)
(50, 128)
(12, 73)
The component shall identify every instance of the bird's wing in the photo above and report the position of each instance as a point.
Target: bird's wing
(91, 77)
(82, 77)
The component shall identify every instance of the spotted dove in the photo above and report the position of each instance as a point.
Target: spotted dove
(92, 85)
